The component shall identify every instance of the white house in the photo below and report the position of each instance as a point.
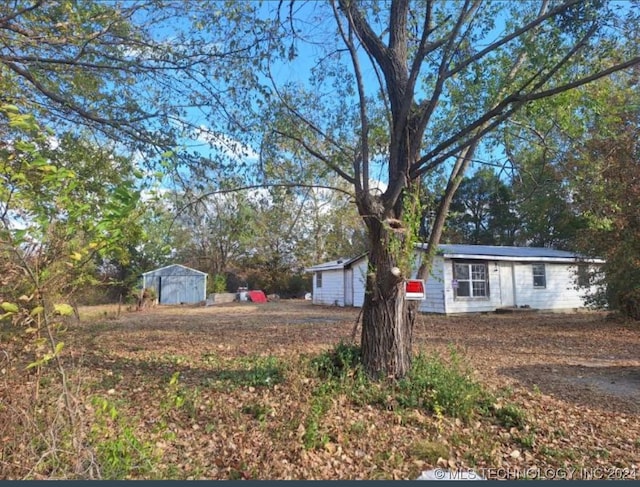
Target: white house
(176, 284)
(472, 278)
(340, 282)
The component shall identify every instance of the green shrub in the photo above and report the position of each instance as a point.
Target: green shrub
(339, 362)
(629, 303)
(510, 416)
(217, 284)
(442, 387)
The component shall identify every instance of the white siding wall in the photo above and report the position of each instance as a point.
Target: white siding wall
(559, 293)
(434, 292)
(332, 290)
(359, 281)
(434, 287)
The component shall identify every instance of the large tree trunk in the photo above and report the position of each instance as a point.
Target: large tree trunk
(387, 318)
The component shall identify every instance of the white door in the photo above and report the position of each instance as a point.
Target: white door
(348, 287)
(507, 288)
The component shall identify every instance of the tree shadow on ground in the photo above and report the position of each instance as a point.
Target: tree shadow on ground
(261, 372)
(613, 388)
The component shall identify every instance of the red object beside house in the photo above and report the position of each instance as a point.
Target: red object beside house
(257, 296)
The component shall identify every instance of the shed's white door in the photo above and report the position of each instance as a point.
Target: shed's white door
(507, 288)
(348, 287)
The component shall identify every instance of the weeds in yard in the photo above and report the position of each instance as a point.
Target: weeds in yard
(120, 454)
(37, 438)
(174, 359)
(313, 436)
(442, 387)
(212, 359)
(527, 440)
(178, 396)
(258, 411)
(559, 454)
(339, 363)
(509, 415)
(269, 417)
(445, 388)
(428, 450)
(254, 371)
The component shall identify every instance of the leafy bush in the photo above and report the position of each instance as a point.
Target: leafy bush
(439, 386)
(339, 362)
(217, 284)
(509, 416)
(629, 303)
(442, 387)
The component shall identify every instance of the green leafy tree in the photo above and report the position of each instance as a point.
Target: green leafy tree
(53, 225)
(482, 211)
(607, 192)
(218, 231)
(329, 226)
(537, 143)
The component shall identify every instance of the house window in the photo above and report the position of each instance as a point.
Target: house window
(539, 276)
(318, 279)
(471, 279)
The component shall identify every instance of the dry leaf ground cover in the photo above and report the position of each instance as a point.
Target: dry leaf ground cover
(242, 391)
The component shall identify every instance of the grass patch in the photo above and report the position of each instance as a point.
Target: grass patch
(254, 371)
(430, 451)
(313, 436)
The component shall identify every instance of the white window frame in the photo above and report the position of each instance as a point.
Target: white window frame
(536, 267)
(318, 279)
(470, 267)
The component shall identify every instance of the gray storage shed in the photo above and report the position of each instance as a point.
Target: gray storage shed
(176, 284)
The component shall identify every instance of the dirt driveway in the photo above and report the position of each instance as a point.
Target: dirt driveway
(585, 359)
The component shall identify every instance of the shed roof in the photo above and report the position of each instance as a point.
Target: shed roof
(185, 268)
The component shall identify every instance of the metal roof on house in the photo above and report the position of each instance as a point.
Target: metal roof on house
(480, 252)
(510, 253)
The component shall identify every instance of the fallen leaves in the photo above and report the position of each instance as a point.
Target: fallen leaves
(230, 422)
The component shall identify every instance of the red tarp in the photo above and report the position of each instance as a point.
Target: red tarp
(257, 296)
